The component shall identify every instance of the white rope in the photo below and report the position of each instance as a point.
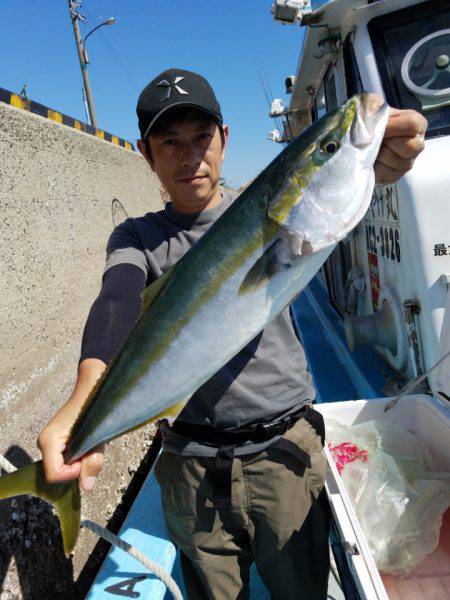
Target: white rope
(6, 465)
(115, 540)
(159, 572)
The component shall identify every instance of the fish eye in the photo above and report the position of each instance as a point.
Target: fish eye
(330, 146)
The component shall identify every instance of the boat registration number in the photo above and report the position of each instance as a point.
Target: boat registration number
(382, 224)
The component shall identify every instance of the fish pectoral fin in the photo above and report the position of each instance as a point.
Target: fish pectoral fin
(65, 497)
(155, 288)
(272, 260)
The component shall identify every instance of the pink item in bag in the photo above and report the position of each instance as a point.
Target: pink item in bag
(346, 453)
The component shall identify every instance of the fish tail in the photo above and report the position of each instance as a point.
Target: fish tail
(65, 497)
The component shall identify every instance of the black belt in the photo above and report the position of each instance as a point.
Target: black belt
(227, 441)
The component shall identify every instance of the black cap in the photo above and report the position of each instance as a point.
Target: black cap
(175, 88)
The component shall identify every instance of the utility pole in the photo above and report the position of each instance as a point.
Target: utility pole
(83, 63)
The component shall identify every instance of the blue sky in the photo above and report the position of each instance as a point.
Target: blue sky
(226, 41)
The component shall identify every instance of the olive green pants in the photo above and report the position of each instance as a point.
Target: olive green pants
(279, 518)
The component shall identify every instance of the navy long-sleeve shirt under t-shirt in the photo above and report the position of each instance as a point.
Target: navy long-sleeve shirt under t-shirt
(267, 379)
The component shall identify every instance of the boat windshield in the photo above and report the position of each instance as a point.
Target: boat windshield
(412, 49)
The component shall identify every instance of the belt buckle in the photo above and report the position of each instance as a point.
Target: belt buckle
(264, 430)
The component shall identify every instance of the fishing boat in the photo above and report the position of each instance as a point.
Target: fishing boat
(377, 315)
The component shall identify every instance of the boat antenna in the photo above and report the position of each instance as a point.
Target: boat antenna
(267, 92)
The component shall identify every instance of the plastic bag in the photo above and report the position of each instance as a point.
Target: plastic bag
(398, 492)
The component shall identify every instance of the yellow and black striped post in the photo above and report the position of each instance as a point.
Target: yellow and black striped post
(39, 109)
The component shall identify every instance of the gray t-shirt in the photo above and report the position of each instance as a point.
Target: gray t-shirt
(266, 380)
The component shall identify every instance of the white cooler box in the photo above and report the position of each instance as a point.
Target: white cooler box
(429, 419)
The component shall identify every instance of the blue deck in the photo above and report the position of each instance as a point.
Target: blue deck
(338, 375)
(143, 528)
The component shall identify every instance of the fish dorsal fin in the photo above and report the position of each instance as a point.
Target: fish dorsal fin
(155, 288)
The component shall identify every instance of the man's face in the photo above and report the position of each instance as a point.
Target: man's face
(187, 156)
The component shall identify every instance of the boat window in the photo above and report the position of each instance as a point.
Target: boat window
(319, 102)
(353, 82)
(325, 99)
(330, 89)
(412, 49)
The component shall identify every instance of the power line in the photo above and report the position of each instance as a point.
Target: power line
(116, 55)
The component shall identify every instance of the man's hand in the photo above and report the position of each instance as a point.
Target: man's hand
(52, 440)
(403, 141)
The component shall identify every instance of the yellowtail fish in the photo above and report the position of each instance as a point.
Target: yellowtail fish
(245, 269)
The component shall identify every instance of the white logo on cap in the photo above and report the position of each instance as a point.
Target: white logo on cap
(166, 84)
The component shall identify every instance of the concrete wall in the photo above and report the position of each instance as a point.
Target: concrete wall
(57, 187)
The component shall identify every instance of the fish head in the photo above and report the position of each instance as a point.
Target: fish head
(330, 183)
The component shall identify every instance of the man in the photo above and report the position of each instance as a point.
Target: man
(242, 470)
